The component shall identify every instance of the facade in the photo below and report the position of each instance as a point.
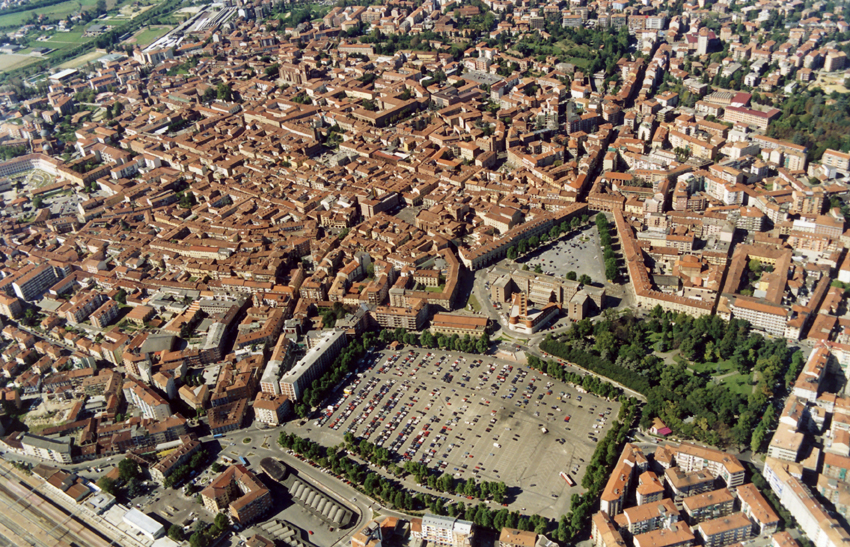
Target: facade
(708, 505)
(56, 450)
(238, 491)
(35, 283)
(691, 457)
(151, 403)
(445, 531)
(449, 324)
(164, 467)
(735, 528)
(271, 409)
(312, 365)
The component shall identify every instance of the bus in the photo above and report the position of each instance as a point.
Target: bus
(218, 436)
(243, 461)
(567, 478)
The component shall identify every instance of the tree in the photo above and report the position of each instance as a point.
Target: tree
(585, 279)
(37, 201)
(483, 343)
(134, 488)
(223, 92)
(175, 532)
(121, 297)
(605, 342)
(611, 269)
(107, 485)
(128, 469)
(209, 95)
(198, 539)
(221, 523)
(571, 276)
(538, 269)
(427, 339)
(512, 252)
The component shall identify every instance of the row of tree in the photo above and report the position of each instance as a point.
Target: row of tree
(467, 344)
(597, 473)
(393, 494)
(604, 228)
(179, 475)
(588, 382)
(315, 394)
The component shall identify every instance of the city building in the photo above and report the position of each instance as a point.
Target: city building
(272, 409)
(237, 491)
(312, 365)
(440, 530)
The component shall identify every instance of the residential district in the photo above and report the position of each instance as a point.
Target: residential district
(202, 238)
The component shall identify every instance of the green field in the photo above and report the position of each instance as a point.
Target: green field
(739, 383)
(56, 11)
(712, 368)
(149, 35)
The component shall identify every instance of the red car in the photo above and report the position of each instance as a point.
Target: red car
(566, 418)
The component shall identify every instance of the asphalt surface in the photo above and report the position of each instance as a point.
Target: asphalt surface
(473, 420)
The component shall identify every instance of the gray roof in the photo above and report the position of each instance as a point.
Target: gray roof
(60, 444)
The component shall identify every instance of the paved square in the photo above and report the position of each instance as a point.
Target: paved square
(580, 253)
(471, 417)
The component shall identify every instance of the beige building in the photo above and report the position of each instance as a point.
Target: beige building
(718, 532)
(271, 409)
(240, 491)
(708, 505)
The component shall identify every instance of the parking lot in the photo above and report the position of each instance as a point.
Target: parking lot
(476, 418)
(580, 253)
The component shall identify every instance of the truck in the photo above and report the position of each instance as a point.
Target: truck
(567, 478)
(544, 430)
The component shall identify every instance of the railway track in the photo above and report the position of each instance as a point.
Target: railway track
(37, 521)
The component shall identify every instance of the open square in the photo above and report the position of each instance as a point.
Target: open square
(472, 417)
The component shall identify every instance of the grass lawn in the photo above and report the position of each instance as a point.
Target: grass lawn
(56, 11)
(739, 383)
(723, 367)
(438, 288)
(149, 35)
(473, 302)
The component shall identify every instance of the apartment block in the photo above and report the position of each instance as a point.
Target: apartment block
(678, 535)
(683, 483)
(240, 491)
(649, 488)
(312, 365)
(271, 409)
(167, 465)
(757, 509)
(734, 528)
(691, 457)
(708, 505)
(35, 283)
(632, 460)
(151, 403)
(445, 531)
(641, 519)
